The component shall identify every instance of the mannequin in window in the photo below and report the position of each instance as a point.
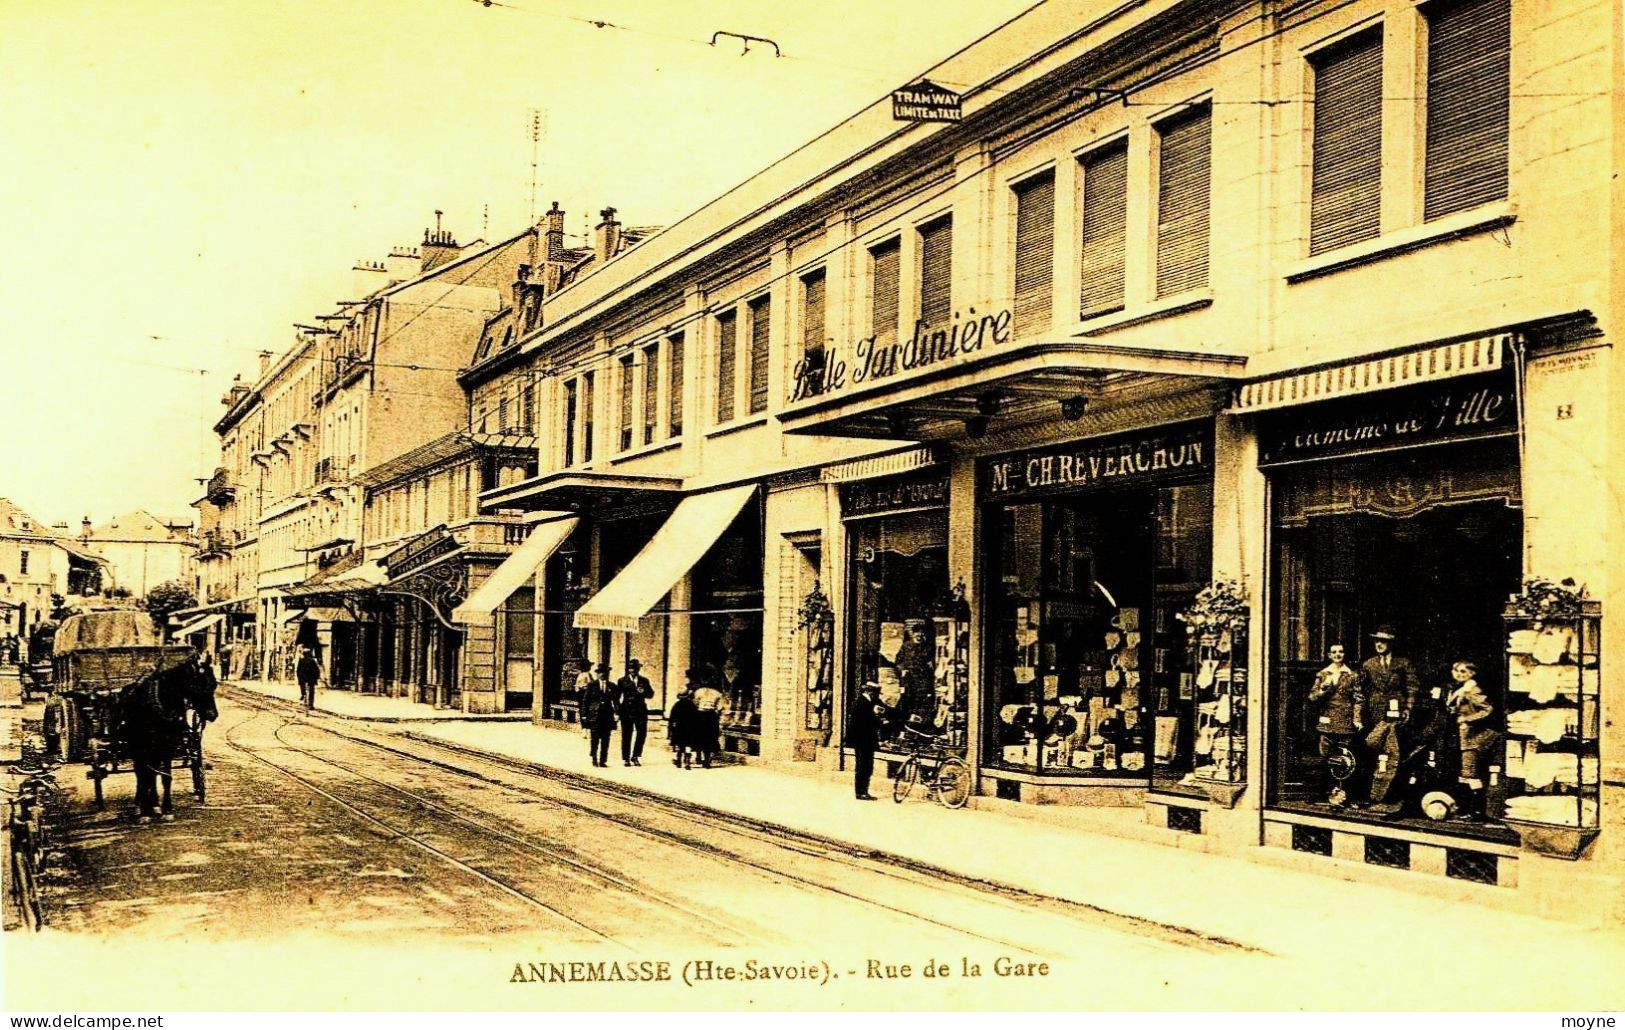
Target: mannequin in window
(1471, 711)
(1389, 685)
(1335, 701)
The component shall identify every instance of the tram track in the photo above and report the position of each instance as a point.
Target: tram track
(911, 876)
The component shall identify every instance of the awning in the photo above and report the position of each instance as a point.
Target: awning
(237, 605)
(518, 567)
(690, 531)
(328, 615)
(1386, 372)
(292, 615)
(581, 490)
(197, 625)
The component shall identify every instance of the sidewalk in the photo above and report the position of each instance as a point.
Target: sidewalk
(1361, 940)
(348, 704)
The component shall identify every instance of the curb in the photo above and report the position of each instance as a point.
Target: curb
(393, 720)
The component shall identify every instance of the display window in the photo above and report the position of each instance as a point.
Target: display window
(1392, 571)
(909, 632)
(726, 626)
(1088, 671)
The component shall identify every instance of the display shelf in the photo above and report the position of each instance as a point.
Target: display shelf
(1547, 783)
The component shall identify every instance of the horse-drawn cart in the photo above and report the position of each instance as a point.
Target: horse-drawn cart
(99, 658)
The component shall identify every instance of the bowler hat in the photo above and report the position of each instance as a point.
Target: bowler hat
(633, 663)
(1385, 632)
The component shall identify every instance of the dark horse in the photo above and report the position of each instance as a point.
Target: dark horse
(156, 714)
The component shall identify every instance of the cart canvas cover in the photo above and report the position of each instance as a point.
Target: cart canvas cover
(122, 628)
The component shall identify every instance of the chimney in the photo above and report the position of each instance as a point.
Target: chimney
(554, 233)
(439, 246)
(84, 528)
(402, 264)
(368, 277)
(237, 392)
(609, 235)
(265, 361)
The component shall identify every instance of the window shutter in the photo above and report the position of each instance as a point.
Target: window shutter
(761, 326)
(1183, 217)
(674, 370)
(1035, 254)
(813, 297)
(1469, 91)
(627, 366)
(727, 349)
(651, 391)
(587, 414)
(569, 423)
(1346, 195)
(883, 309)
(1105, 223)
(936, 274)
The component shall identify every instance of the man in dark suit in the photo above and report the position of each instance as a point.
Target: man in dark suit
(1391, 689)
(864, 724)
(308, 672)
(632, 693)
(598, 715)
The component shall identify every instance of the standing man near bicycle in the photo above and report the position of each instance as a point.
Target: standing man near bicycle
(864, 724)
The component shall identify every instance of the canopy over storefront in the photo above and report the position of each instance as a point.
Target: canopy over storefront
(684, 538)
(198, 625)
(519, 566)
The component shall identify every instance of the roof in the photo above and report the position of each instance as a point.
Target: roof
(14, 520)
(139, 525)
(445, 448)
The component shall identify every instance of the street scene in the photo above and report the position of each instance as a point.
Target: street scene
(1065, 506)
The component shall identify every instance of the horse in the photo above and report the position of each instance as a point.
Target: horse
(154, 714)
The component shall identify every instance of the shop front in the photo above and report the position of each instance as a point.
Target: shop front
(1397, 538)
(1092, 551)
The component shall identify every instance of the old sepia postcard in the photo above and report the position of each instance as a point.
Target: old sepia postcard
(970, 505)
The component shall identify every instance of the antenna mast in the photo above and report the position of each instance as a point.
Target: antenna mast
(538, 129)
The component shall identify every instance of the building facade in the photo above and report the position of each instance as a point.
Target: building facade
(142, 550)
(1211, 338)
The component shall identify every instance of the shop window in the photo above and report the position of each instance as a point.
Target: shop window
(628, 386)
(1346, 172)
(1085, 650)
(908, 633)
(726, 627)
(519, 623)
(1105, 229)
(1392, 571)
(727, 354)
(936, 275)
(1469, 86)
(1183, 222)
(761, 328)
(1035, 254)
(674, 372)
(883, 303)
(809, 378)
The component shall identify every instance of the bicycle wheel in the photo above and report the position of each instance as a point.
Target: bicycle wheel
(952, 785)
(25, 889)
(903, 782)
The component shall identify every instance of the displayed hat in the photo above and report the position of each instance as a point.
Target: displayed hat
(1385, 632)
(1437, 805)
(869, 685)
(1063, 725)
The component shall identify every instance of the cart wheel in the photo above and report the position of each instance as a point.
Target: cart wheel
(953, 783)
(70, 730)
(904, 781)
(197, 775)
(48, 730)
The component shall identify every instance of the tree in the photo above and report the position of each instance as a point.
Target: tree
(167, 598)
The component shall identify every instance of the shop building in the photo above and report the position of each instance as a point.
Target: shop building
(1088, 424)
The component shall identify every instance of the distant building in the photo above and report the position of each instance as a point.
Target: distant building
(35, 563)
(142, 550)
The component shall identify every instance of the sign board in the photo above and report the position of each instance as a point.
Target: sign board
(925, 101)
(911, 491)
(1143, 458)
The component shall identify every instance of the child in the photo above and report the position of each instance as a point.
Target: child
(681, 726)
(1471, 710)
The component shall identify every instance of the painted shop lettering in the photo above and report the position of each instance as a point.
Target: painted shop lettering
(870, 361)
(1128, 459)
(1481, 408)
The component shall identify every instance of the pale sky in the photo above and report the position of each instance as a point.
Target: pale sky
(184, 179)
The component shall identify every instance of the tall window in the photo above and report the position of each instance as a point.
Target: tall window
(626, 384)
(883, 309)
(1035, 254)
(674, 370)
(1346, 184)
(1105, 224)
(813, 300)
(571, 407)
(727, 351)
(22, 563)
(1469, 90)
(651, 391)
(586, 416)
(937, 273)
(761, 326)
(527, 409)
(1184, 172)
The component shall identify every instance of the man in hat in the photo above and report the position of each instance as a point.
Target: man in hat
(598, 715)
(1390, 687)
(632, 695)
(864, 724)
(308, 672)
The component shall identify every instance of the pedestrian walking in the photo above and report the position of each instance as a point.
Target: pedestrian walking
(583, 677)
(632, 694)
(598, 715)
(681, 721)
(708, 702)
(308, 672)
(864, 724)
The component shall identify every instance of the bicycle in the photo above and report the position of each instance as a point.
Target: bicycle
(25, 827)
(946, 777)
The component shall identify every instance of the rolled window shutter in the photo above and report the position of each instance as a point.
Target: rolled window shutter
(627, 383)
(727, 349)
(812, 313)
(936, 274)
(761, 325)
(1346, 195)
(651, 392)
(883, 317)
(1035, 255)
(675, 391)
(1469, 99)
(1183, 215)
(1105, 223)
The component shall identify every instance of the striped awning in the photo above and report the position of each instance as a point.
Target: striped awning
(1441, 361)
(881, 465)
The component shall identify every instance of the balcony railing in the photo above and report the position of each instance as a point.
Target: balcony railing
(221, 491)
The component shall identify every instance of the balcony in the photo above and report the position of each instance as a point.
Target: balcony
(214, 543)
(221, 491)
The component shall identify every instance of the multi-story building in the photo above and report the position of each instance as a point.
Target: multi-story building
(1309, 300)
(142, 550)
